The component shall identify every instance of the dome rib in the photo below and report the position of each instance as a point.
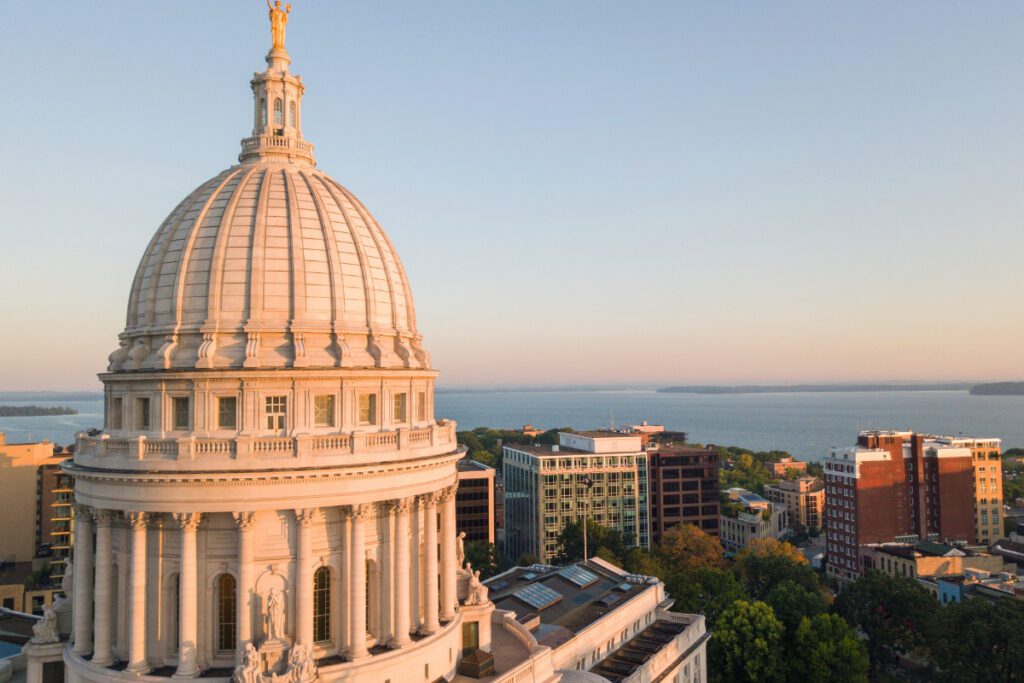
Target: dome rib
(216, 282)
(333, 262)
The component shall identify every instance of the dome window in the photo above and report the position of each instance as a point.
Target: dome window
(263, 113)
(291, 114)
(278, 112)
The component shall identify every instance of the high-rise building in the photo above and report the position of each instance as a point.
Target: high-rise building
(684, 488)
(599, 475)
(31, 484)
(474, 501)
(904, 486)
(803, 498)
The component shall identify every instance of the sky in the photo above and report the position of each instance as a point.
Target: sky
(581, 192)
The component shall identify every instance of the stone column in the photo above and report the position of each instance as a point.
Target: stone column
(137, 609)
(416, 568)
(244, 522)
(449, 562)
(83, 581)
(102, 653)
(400, 584)
(357, 586)
(188, 594)
(304, 575)
(430, 622)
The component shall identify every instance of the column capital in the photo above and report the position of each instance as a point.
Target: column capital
(83, 511)
(399, 505)
(244, 520)
(427, 499)
(360, 511)
(306, 516)
(137, 520)
(446, 494)
(103, 517)
(187, 521)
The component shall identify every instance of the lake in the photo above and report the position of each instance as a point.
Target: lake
(805, 424)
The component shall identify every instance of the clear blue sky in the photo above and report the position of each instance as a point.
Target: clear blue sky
(581, 192)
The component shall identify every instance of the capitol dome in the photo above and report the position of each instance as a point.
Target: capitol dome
(269, 264)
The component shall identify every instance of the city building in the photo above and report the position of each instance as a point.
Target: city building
(788, 465)
(978, 583)
(26, 586)
(749, 516)
(530, 430)
(601, 475)
(926, 559)
(474, 501)
(683, 488)
(594, 617)
(904, 486)
(803, 498)
(36, 502)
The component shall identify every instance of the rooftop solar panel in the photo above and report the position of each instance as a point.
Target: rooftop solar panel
(538, 596)
(528, 576)
(623, 587)
(577, 575)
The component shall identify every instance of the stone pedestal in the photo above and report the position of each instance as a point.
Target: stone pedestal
(274, 655)
(44, 663)
(62, 607)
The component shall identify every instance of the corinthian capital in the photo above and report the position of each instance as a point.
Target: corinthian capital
(187, 521)
(244, 520)
(447, 494)
(103, 517)
(306, 516)
(399, 505)
(361, 511)
(137, 520)
(83, 511)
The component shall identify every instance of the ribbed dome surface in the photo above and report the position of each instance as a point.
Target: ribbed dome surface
(270, 264)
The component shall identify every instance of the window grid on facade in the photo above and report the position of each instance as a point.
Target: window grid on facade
(368, 409)
(142, 413)
(227, 412)
(276, 411)
(179, 410)
(400, 401)
(421, 406)
(322, 605)
(227, 612)
(278, 112)
(323, 411)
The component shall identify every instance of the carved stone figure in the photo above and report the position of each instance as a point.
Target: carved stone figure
(301, 667)
(278, 20)
(460, 548)
(67, 584)
(477, 594)
(45, 630)
(275, 615)
(249, 670)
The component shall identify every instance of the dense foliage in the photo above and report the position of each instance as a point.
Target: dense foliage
(35, 411)
(484, 444)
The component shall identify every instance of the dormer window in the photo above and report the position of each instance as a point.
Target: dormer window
(278, 112)
(263, 113)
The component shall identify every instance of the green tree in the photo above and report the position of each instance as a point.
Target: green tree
(766, 562)
(686, 547)
(894, 612)
(746, 645)
(791, 603)
(486, 557)
(526, 559)
(705, 590)
(980, 641)
(826, 650)
(570, 541)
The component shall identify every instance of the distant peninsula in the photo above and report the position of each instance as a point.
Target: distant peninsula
(812, 388)
(999, 389)
(35, 411)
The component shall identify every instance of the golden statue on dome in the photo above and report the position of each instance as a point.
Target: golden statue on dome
(278, 20)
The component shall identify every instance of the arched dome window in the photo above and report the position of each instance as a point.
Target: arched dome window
(291, 114)
(227, 612)
(263, 112)
(322, 605)
(278, 112)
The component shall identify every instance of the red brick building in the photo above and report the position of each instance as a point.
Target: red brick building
(684, 488)
(897, 486)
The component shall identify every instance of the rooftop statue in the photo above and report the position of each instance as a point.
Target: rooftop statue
(278, 20)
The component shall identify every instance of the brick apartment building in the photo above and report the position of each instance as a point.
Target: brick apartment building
(904, 486)
(684, 488)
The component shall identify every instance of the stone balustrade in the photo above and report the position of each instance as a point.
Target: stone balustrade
(401, 441)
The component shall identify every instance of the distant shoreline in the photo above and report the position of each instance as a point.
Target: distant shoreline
(813, 388)
(35, 411)
(998, 389)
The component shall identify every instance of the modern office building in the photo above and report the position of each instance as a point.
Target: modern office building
(904, 486)
(684, 488)
(601, 475)
(474, 501)
(749, 517)
(803, 498)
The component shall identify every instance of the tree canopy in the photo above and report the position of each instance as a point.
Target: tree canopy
(826, 650)
(746, 644)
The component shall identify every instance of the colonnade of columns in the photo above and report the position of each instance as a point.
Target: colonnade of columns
(412, 581)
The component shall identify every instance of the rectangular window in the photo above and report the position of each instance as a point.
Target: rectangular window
(421, 406)
(179, 412)
(323, 411)
(368, 409)
(400, 408)
(142, 413)
(116, 413)
(277, 412)
(227, 412)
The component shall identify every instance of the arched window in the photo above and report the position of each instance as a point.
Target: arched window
(227, 612)
(322, 605)
(263, 112)
(291, 114)
(278, 112)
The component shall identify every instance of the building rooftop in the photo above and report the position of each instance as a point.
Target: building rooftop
(543, 449)
(466, 465)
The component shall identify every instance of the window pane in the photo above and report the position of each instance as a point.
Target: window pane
(278, 112)
(227, 412)
(226, 612)
(323, 409)
(400, 408)
(180, 412)
(368, 409)
(142, 413)
(322, 605)
(276, 411)
(421, 406)
(116, 413)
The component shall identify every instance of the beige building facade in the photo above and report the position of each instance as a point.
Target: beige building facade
(20, 465)
(803, 498)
